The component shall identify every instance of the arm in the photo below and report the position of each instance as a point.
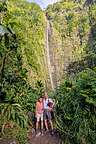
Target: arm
(36, 111)
(52, 102)
(50, 105)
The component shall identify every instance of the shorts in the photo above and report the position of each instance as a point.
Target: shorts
(39, 117)
(47, 115)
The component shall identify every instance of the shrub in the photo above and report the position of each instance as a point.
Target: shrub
(22, 136)
(76, 108)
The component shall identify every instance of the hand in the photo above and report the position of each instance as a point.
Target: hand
(49, 109)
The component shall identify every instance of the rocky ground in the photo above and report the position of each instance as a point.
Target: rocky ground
(47, 138)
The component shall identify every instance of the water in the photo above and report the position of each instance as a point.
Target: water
(48, 55)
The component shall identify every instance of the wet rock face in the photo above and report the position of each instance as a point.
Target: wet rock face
(69, 37)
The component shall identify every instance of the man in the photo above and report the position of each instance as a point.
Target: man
(48, 106)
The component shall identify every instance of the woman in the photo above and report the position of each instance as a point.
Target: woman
(39, 115)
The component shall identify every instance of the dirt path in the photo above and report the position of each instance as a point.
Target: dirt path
(47, 138)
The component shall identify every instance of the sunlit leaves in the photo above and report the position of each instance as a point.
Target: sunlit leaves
(28, 21)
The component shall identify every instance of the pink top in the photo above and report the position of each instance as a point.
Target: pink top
(39, 107)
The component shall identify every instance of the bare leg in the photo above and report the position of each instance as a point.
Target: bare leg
(41, 125)
(46, 124)
(42, 128)
(51, 124)
(37, 125)
(37, 131)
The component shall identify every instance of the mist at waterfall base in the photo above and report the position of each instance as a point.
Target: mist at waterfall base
(43, 3)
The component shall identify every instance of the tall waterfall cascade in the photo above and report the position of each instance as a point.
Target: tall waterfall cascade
(48, 55)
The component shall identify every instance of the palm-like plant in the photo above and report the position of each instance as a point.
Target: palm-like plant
(14, 113)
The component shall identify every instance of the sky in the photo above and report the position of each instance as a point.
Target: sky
(43, 3)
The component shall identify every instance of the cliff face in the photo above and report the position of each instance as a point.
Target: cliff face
(70, 24)
(55, 43)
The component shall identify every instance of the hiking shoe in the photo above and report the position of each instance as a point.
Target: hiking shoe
(52, 133)
(33, 130)
(42, 133)
(46, 131)
(38, 134)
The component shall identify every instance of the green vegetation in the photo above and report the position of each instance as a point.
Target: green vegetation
(76, 108)
(27, 21)
(23, 67)
(20, 29)
(74, 23)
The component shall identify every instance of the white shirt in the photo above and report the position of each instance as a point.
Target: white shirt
(46, 101)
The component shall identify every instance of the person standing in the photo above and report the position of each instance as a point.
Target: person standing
(39, 115)
(48, 106)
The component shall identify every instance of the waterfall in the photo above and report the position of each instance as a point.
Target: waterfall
(48, 55)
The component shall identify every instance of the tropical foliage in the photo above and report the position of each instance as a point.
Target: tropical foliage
(74, 23)
(76, 108)
(17, 96)
(24, 70)
(76, 99)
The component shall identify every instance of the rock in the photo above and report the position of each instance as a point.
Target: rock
(13, 142)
